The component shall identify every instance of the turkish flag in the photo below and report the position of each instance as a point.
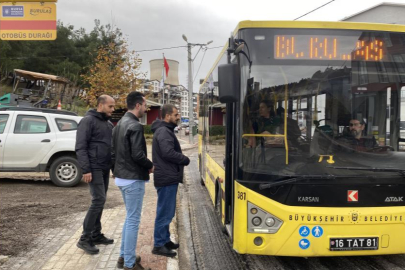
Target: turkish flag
(166, 65)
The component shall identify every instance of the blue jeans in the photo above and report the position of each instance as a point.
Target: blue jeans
(133, 199)
(165, 210)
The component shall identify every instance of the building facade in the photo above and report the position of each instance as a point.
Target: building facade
(391, 13)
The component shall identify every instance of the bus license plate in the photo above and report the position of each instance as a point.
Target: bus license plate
(358, 243)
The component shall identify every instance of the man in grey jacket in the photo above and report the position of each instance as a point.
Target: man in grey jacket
(169, 163)
(131, 171)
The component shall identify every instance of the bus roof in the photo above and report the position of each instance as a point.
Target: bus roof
(321, 25)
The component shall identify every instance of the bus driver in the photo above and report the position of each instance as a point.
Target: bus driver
(356, 139)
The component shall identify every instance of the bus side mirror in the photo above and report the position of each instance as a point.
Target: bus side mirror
(228, 83)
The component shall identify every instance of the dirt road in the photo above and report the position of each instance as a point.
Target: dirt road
(30, 203)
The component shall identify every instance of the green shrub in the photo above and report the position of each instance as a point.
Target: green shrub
(147, 129)
(217, 130)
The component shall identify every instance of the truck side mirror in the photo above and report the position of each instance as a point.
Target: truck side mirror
(228, 83)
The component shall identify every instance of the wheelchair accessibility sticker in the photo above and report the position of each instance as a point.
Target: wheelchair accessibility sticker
(304, 243)
(304, 231)
(317, 231)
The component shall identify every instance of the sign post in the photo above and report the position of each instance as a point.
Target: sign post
(28, 20)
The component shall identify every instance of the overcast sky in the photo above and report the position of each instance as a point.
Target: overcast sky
(154, 24)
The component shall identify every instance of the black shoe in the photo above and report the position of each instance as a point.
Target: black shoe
(87, 246)
(171, 245)
(120, 262)
(102, 240)
(163, 251)
(137, 266)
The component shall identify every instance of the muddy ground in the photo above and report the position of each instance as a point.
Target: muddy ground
(30, 203)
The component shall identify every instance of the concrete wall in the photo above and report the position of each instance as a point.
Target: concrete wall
(393, 14)
(156, 67)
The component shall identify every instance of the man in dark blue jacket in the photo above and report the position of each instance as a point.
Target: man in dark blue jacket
(169, 163)
(93, 151)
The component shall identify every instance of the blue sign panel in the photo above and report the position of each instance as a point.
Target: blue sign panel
(304, 243)
(13, 11)
(304, 231)
(317, 231)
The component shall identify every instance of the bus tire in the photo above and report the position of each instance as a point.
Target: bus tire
(218, 207)
(201, 173)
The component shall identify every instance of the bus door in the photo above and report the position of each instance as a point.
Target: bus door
(229, 165)
(203, 121)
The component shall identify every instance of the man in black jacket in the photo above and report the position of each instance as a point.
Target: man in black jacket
(131, 171)
(93, 151)
(169, 165)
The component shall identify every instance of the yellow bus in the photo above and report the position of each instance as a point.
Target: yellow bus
(301, 140)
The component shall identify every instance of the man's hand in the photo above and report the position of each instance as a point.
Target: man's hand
(87, 177)
(152, 170)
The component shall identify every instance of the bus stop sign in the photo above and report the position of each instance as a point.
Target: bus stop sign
(28, 21)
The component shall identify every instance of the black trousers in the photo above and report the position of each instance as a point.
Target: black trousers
(98, 190)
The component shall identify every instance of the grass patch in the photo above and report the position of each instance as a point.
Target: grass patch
(5, 89)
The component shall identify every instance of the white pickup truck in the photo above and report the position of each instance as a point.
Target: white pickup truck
(40, 140)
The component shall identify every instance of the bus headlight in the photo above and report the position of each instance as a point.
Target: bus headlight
(270, 221)
(260, 221)
(256, 221)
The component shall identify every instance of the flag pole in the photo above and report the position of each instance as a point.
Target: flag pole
(163, 77)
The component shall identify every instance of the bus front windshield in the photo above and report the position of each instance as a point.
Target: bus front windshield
(322, 103)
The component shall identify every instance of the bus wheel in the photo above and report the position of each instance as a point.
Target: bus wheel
(218, 208)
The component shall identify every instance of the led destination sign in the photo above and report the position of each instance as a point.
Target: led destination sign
(310, 47)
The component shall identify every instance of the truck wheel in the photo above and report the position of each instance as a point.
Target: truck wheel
(65, 172)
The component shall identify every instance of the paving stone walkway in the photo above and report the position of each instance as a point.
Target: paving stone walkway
(56, 248)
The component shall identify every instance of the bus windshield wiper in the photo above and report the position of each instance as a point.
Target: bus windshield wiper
(402, 172)
(298, 178)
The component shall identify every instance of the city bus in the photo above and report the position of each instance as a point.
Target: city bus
(300, 142)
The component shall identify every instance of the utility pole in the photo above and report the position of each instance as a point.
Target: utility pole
(190, 87)
(190, 96)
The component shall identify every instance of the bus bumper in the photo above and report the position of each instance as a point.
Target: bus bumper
(318, 231)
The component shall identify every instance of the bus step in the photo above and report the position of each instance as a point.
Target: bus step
(228, 228)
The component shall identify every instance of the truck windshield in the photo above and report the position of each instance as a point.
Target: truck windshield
(314, 102)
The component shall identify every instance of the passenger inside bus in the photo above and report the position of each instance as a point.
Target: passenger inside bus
(267, 123)
(293, 129)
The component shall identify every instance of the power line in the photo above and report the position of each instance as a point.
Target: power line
(200, 65)
(169, 48)
(161, 49)
(215, 47)
(84, 55)
(314, 10)
(81, 55)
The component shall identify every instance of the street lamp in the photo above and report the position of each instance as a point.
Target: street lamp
(190, 86)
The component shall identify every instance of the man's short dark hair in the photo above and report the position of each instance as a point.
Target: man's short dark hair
(134, 98)
(361, 120)
(167, 109)
(101, 99)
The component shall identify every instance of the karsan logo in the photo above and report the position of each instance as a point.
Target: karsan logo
(308, 199)
(39, 11)
(394, 199)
